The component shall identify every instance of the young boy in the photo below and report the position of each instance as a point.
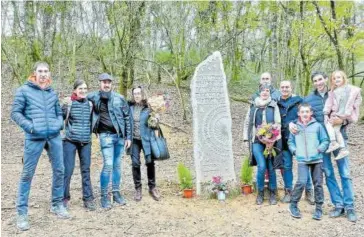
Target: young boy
(308, 146)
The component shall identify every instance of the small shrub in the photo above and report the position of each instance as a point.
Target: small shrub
(246, 173)
(184, 177)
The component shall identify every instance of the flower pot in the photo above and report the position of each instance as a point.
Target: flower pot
(188, 193)
(246, 189)
(221, 195)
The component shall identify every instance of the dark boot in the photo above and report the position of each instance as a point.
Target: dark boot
(317, 215)
(151, 175)
(260, 197)
(287, 196)
(118, 198)
(137, 177)
(155, 194)
(138, 194)
(105, 201)
(293, 209)
(273, 197)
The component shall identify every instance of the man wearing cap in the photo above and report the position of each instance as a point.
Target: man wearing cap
(37, 111)
(111, 122)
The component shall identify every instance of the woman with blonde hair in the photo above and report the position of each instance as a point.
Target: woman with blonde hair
(343, 102)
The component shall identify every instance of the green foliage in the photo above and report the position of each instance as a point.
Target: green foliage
(184, 177)
(246, 172)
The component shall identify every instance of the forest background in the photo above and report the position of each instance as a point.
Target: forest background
(162, 42)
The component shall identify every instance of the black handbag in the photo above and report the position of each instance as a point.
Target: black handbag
(159, 146)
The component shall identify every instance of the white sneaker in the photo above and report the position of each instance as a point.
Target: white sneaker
(60, 211)
(22, 222)
(333, 146)
(342, 154)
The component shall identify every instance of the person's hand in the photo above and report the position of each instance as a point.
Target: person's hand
(127, 144)
(293, 128)
(336, 121)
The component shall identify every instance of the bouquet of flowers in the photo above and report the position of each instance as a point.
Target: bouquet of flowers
(157, 104)
(218, 185)
(268, 134)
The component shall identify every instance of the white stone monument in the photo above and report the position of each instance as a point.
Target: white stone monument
(212, 139)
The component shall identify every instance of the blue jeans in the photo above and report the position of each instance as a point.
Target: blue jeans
(288, 174)
(263, 164)
(112, 147)
(344, 199)
(69, 154)
(32, 151)
(305, 170)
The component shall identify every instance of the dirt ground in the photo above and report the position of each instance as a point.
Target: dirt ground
(173, 215)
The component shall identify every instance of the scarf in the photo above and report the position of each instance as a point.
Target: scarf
(75, 97)
(260, 103)
(32, 79)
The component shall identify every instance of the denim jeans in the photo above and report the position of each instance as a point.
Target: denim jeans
(317, 177)
(69, 154)
(112, 147)
(263, 164)
(32, 151)
(288, 174)
(149, 162)
(344, 199)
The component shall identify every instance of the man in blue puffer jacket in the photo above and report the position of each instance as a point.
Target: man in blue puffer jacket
(37, 111)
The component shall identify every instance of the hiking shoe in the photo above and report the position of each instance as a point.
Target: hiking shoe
(273, 197)
(22, 222)
(105, 201)
(138, 195)
(118, 198)
(90, 205)
(350, 214)
(334, 145)
(309, 197)
(155, 194)
(295, 212)
(337, 212)
(60, 211)
(342, 154)
(260, 198)
(287, 196)
(317, 215)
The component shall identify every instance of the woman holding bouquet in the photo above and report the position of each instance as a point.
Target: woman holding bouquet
(142, 130)
(261, 131)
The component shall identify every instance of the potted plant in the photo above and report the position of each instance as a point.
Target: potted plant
(246, 177)
(185, 180)
(219, 187)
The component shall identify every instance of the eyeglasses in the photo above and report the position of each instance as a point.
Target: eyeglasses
(41, 71)
(137, 93)
(265, 78)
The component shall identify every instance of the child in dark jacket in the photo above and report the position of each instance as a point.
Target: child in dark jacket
(313, 142)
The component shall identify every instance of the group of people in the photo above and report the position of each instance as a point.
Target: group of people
(313, 130)
(119, 125)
